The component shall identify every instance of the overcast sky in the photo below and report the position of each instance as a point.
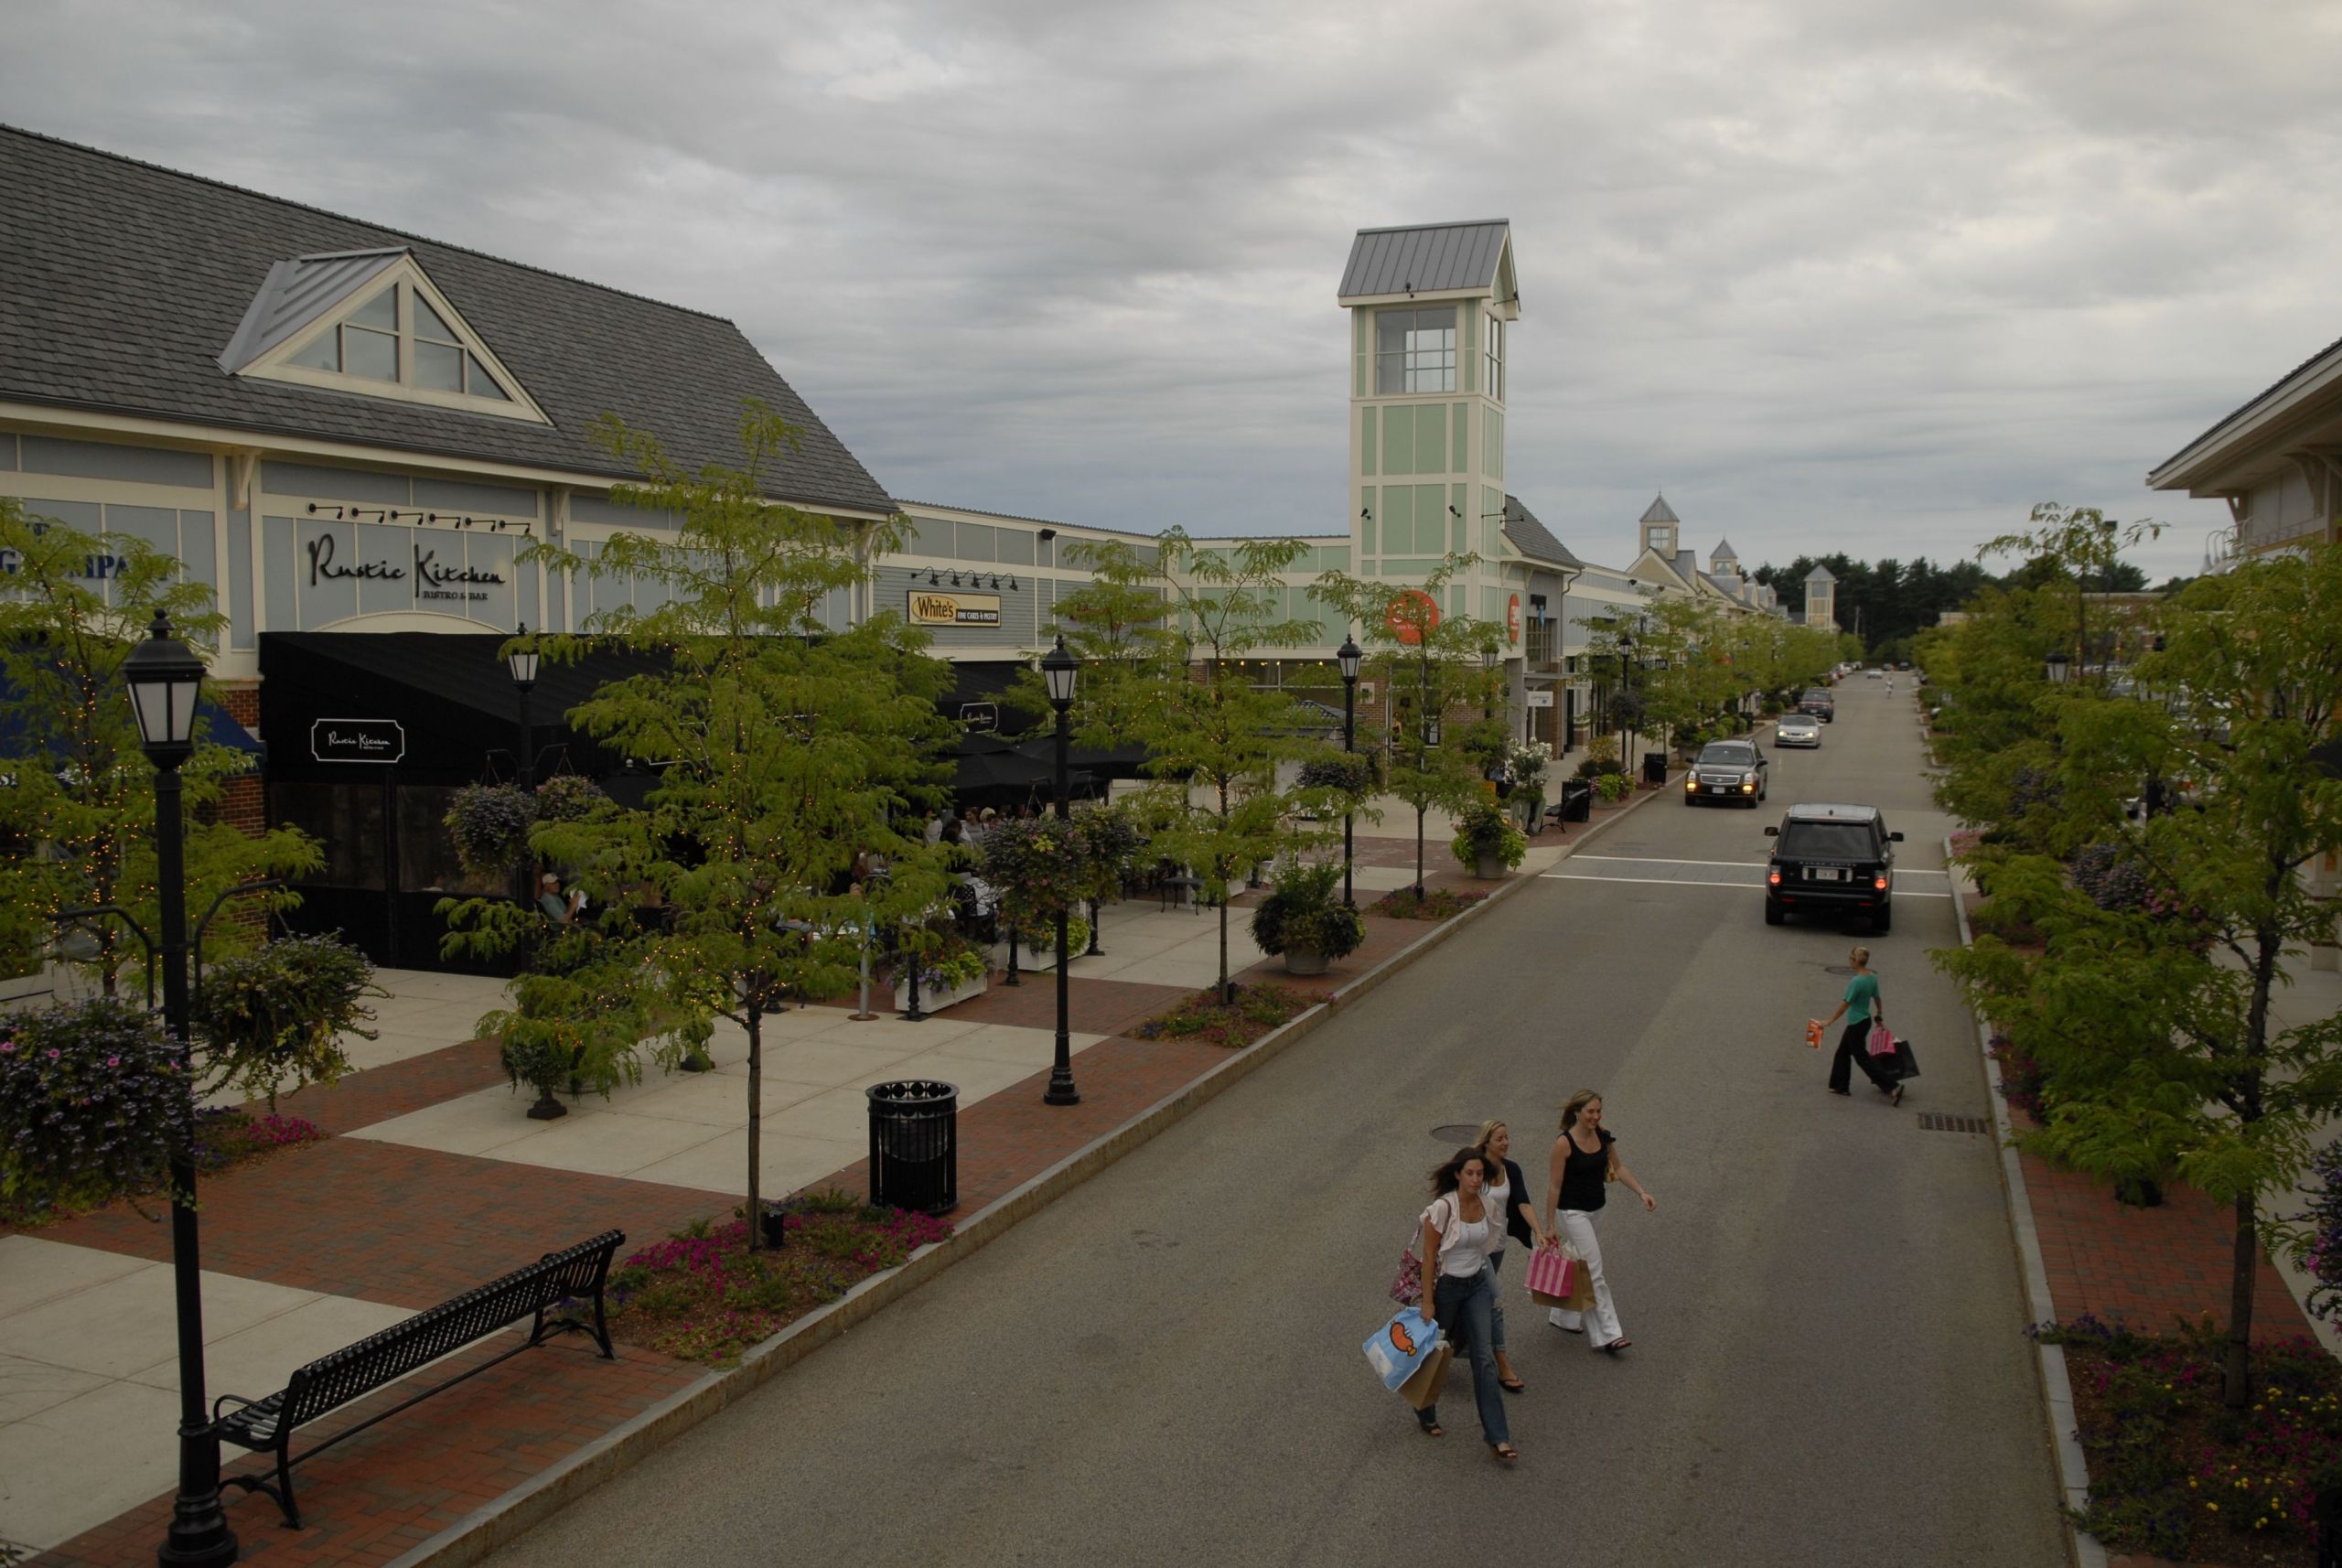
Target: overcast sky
(1863, 274)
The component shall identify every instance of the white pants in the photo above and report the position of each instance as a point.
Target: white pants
(1601, 1325)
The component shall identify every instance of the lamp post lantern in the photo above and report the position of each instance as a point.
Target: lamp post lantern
(165, 676)
(1062, 672)
(2057, 665)
(1347, 656)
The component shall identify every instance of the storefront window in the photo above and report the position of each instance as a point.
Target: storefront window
(345, 819)
(426, 856)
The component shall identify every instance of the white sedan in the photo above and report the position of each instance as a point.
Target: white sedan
(1798, 729)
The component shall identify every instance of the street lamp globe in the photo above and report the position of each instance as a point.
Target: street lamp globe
(2057, 666)
(1062, 671)
(523, 659)
(163, 676)
(1347, 656)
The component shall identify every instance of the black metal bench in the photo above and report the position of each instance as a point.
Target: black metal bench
(356, 1370)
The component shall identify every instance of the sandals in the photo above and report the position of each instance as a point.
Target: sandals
(1614, 1347)
(1895, 1095)
(1512, 1385)
(1430, 1424)
(1504, 1452)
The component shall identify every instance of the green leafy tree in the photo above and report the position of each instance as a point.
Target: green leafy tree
(1118, 625)
(1437, 671)
(790, 751)
(2151, 1016)
(1215, 742)
(77, 820)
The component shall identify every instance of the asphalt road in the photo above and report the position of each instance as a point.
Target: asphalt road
(1164, 1367)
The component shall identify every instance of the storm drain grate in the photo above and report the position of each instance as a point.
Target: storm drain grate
(1455, 1134)
(1937, 1121)
(1837, 968)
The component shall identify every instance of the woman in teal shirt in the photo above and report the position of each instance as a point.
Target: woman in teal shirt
(1860, 1009)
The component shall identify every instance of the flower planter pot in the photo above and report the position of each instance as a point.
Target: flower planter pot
(1488, 868)
(1300, 960)
(936, 1001)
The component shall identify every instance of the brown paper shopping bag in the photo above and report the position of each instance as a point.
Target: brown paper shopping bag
(1422, 1388)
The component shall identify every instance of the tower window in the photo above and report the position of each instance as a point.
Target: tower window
(1414, 351)
(1495, 358)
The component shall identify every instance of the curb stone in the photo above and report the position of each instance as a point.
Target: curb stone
(2057, 1391)
(486, 1529)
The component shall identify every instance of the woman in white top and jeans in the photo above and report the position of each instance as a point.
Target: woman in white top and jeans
(1461, 1289)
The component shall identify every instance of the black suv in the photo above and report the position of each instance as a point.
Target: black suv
(1817, 702)
(1832, 860)
(1727, 770)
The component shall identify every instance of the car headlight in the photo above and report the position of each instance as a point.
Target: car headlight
(1748, 787)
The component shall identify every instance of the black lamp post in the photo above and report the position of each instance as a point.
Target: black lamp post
(524, 662)
(164, 677)
(2058, 665)
(1062, 671)
(1347, 656)
(1626, 689)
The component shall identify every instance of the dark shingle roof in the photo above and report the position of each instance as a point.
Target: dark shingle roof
(121, 283)
(1533, 538)
(1425, 258)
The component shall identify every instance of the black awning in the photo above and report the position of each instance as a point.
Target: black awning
(452, 696)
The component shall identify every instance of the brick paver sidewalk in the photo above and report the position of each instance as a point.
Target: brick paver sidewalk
(412, 1227)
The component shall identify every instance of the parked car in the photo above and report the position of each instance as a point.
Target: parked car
(1798, 729)
(1831, 859)
(1817, 702)
(1727, 771)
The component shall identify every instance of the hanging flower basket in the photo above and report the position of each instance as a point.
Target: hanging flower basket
(568, 797)
(1038, 867)
(92, 1100)
(490, 826)
(278, 1014)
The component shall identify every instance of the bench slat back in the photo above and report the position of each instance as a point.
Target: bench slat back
(355, 1370)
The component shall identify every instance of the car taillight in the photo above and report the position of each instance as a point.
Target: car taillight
(1773, 879)
(1879, 883)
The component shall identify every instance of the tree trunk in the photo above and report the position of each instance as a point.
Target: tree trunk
(1226, 986)
(1419, 852)
(2236, 1386)
(755, 1113)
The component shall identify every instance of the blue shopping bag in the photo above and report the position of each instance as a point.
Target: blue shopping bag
(1401, 1345)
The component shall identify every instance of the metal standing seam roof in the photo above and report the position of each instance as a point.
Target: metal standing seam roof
(1820, 573)
(121, 283)
(298, 292)
(1425, 259)
(2250, 403)
(1722, 552)
(1658, 511)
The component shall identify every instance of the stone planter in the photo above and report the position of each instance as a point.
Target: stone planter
(936, 1001)
(1301, 961)
(1488, 868)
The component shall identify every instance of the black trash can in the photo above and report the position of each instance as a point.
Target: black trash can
(1577, 800)
(915, 1146)
(1654, 768)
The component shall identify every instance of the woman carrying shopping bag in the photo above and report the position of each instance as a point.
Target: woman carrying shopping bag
(1861, 1009)
(1584, 1160)
(1455, 1249)
(1505, 1193)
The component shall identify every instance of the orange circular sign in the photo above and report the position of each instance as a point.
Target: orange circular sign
(1412, 614)
(1512, 619)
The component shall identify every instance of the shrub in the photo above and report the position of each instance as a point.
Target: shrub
(489, 825)
(1614, 787)
(1350, 773)
(92, 1100)
(2111, 880)
(2321, 1252)
(1599, 768)
(1484, 830)
(1203, 1016)
(1437, 904)
(279, 1014)
(1300, 911)
(2024, 1081)
(1042, 940)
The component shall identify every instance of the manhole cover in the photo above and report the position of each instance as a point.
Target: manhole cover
(1455, 1134)
(1837, 968)
(1936, 1122)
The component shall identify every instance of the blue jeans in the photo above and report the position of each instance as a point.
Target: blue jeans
(1496, 1301)
(1466, 1311)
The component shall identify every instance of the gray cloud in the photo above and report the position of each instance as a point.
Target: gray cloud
(1838, 275)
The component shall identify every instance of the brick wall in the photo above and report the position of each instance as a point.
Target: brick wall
(240, 703)
(242, 804)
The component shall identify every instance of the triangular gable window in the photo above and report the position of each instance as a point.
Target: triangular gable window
(371, 322)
